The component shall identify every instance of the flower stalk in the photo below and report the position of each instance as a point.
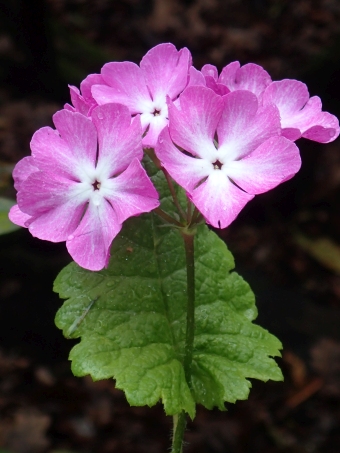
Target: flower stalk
(180, 419)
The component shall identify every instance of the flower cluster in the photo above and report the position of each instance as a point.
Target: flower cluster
(223, 138)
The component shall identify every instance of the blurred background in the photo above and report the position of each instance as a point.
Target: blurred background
(286, 242)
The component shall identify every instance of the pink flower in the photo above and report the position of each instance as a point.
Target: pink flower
(163, 71)
(232, 150)
(250, 77)
(83, 101)
(300, 115)
(69, 191)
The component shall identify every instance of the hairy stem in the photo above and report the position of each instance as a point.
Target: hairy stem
(179, 422)
(180, 419)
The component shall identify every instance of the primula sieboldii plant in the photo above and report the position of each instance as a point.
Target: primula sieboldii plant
(136, 166)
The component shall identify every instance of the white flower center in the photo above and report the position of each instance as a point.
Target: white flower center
(91, 184)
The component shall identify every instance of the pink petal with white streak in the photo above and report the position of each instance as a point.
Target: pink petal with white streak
(52, 153)
(126, 85)
(131, 193)
(89, 245)
(290, 96)
(57, 224)
(249, 77)
(219, 200)
(166, 71)
(193, 127)
(79, 134)
(185, 170)
(272, 163)
(120, 141)
(43, 191)
(243, 127)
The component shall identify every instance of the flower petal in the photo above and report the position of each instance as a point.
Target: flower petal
(166, 71)
(89, 245)
(126, 85)
(297, 111)
(131, 193)
(43, 191)
(23, 169)
(86, 87)
(79, 103)
(57, 224)
(120, 141)
(208, 70)
(18, 217)
(243, 127)
(185, 170)
(327, 129)
(79, 134)
(272, 163)
(218, 88)
(52, 153)
(196, 77)
(219, 200)
(193, 126)
(55, 204)
(251, 77)
(156, 125)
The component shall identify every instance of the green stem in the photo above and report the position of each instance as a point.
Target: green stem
(179, 422)
(173, 194)
(180, 419)
(166, 217)
(190, 330)
(195, 216)
(189, 211)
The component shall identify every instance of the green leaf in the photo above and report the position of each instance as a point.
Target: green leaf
(6, 226)
(131, 318)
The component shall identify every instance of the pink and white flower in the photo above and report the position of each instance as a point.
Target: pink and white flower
(163, 72)
(232, 147)
(83, 181)
(301, 116)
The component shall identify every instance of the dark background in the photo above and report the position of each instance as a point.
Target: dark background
(286, 242)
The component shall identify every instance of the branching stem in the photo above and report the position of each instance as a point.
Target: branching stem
(167, 217)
